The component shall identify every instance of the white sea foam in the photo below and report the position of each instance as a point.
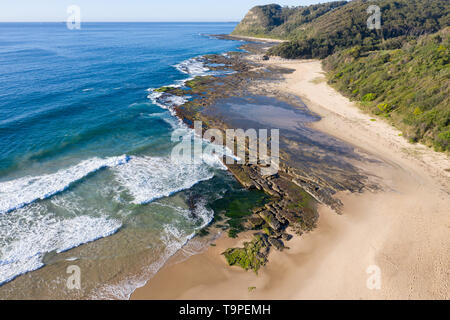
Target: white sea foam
(166, 100)
(151, 178)
(174, 122)
(204, 214)
(197, 67)
(174, 239)
(194, 67)
(20, 192)
(31, 232)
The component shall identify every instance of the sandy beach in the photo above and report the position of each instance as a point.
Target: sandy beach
(245, 38)
(402, 230)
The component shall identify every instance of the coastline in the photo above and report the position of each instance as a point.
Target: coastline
(403, 230)
(250, 39)
(344, 120)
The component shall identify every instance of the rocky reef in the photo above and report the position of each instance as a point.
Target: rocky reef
(252, 256)
(302, 181)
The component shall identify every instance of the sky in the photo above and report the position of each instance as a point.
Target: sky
(134, 10)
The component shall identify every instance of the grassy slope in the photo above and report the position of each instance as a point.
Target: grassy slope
(410, 86)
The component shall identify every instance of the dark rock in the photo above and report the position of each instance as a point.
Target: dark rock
(271, 220)
(286, 237)
(278, 244)
(255, 222)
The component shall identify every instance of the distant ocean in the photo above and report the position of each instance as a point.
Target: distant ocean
(86, 176)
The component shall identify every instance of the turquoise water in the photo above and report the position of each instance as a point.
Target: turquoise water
(86, 176)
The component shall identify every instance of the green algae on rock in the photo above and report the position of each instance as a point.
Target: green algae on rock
(252, 257)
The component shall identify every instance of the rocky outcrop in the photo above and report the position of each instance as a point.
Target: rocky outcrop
(252, 256)
(260, 20)
(299, 184)
(274, 21)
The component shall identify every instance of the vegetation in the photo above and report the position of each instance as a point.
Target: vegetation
(346, 26)
(409, 86)
(251, 256)
(274, 21)
(170, 90)
(400, 72)
(199, 83)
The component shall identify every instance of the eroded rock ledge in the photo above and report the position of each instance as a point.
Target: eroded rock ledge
(302, 181)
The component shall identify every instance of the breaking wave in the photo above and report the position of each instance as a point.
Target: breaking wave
(31, 232)
(15, 194)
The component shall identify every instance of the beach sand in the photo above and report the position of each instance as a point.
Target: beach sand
(245, 38)
(403, 230)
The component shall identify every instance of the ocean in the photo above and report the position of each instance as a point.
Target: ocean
(86, 176)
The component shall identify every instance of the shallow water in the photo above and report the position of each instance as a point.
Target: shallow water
(86, 177)
(317, 157)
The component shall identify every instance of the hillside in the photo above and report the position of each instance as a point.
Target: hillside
(347, 26)
(274, 21)
(320, 30)
(400, 72)
(410, 86)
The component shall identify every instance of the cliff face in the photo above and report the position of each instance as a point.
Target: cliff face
(281, 22)
(260, 20)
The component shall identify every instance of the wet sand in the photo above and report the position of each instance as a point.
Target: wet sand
(403, 230)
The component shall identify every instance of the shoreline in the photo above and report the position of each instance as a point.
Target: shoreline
(404, 230)
(340, 117)
(251, 39)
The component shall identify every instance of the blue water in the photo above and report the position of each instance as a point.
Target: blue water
(63, 91)
(85, 150)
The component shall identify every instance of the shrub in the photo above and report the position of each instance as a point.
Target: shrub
(442, 142)
(384, 107)
(417, 111)
(369, 97)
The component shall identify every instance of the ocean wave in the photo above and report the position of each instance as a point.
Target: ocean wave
(166, 100)
(174, 238)
(15, 194)
(198, 67)
(151, 178)
(33, 231)
(194, 67)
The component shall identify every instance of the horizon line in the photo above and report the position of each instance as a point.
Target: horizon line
(149, 21)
